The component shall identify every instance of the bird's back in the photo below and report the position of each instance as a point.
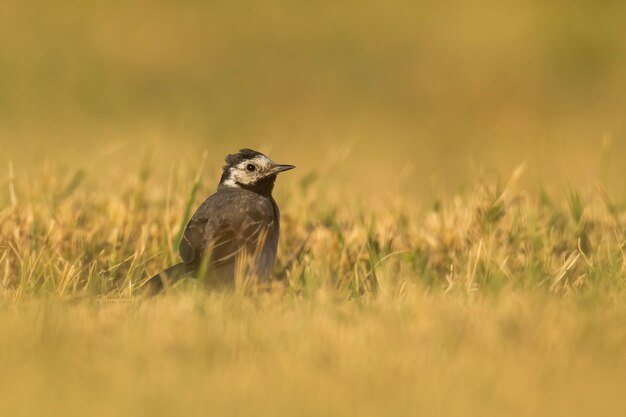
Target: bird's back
(232, 225)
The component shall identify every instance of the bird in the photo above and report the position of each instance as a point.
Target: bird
(235, 230)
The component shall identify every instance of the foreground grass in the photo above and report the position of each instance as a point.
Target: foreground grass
(501, 300)
(422, 354)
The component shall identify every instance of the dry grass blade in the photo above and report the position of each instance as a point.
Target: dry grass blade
(190, 201)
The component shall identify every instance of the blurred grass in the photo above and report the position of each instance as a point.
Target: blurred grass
(220, 355)
(459, 195)
(436, 88)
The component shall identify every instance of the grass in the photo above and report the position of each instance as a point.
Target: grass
(64, 236)
(222, 354)
(452, 239)
(499, 299)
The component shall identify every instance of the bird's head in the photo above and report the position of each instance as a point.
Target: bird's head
(251, 170)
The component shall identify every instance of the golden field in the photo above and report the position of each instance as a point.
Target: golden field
(452, 238)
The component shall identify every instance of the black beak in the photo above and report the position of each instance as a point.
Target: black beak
(281, 168)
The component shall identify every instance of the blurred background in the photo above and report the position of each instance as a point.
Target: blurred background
(402, 96)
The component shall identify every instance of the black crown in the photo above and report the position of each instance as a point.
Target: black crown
(243, 155)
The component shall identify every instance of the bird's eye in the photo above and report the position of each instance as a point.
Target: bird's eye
(251, 167)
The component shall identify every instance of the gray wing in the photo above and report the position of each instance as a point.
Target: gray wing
(228, 223)
(191, 244)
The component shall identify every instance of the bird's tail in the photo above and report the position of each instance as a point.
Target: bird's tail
(165, 278)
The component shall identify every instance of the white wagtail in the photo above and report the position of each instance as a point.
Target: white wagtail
(240, 221)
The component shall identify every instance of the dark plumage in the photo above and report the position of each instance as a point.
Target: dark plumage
(236, 229)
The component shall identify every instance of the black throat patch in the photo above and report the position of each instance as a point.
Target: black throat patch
(264, 186)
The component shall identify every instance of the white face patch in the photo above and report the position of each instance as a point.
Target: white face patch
(261, 161)
(231, 183)
(240, 174)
